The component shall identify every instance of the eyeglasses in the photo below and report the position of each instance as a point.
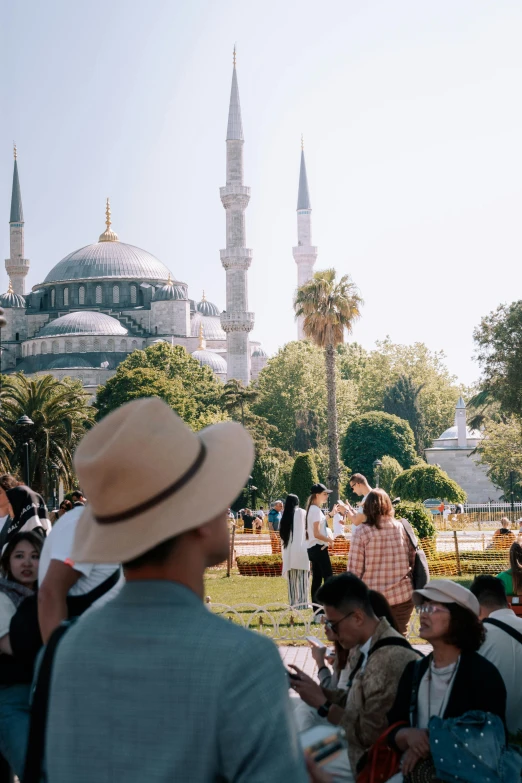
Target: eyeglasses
(430, 609)
(333, 625)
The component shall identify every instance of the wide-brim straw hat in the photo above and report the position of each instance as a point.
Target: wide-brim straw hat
(149, 477)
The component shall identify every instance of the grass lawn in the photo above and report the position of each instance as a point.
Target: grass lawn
(258, 590)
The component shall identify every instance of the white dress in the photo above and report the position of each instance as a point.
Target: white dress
(296, 565)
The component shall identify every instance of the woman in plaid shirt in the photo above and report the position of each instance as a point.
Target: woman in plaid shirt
(382, 556)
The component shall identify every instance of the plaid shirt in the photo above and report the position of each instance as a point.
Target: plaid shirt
(383, 558)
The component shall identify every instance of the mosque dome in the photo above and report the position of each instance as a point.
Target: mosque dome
(211, 327)
(108, 258)
(84, 322)
(452, 434)
(211, 359)
(259, 353)
(169, 292)
(207, 308)
(10, 299)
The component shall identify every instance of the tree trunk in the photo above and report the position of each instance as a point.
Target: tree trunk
(333, 435)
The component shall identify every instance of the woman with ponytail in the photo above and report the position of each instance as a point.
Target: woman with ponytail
(512, 578)
(296, 565)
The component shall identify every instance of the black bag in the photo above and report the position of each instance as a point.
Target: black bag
(420, 575)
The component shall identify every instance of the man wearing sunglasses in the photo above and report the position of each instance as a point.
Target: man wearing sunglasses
(378, 657)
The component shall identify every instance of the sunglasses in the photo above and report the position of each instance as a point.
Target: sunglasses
(430, 609)
(334, 625)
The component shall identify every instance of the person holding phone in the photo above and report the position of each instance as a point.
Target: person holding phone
(317, 540)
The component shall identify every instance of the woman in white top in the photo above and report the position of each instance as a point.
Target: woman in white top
(317, 540)
(296, 566)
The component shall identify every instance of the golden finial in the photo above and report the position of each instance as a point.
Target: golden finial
(169, 281)
(10, 289)
(203, 298)
(14, 150)
(234, 56)
(108, 235)
(302, 141)
(202, 343)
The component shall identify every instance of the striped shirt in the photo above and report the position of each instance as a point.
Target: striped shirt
(383, 558)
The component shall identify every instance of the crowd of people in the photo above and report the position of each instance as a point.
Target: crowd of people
(112, 668)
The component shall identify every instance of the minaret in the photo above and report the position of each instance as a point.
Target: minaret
(16, 265)
(236, 321)
(460, 421)
(305, 253)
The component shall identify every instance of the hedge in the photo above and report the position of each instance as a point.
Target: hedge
(252, 564)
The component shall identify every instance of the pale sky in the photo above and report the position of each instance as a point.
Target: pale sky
(412, 120)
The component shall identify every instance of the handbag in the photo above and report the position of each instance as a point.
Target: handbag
(420, 574)
(380, 762)
(423, 772)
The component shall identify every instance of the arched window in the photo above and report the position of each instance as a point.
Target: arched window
(134, 345)
(99, 294)
(81, 295)
(96, 345)
(116, 294)
(66, 297)
(53, 297)
(17, 336)
(44, 347)
(33, 349)
(123, 345)
(134, 294)
(83, 346)
(56, 346)
(68, 346)
(110, 344)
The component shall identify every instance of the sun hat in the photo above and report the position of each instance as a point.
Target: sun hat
(318, 488)
(149, 477)
(447, 592)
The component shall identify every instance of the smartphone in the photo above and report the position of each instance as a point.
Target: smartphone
(323, 743)
(292, 675)
(316, 642)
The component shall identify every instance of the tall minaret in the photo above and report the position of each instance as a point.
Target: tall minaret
(305, 253)
(460, 421)
(17, 266)
(236, 321)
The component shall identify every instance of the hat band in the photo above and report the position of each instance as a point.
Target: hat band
(159, 498)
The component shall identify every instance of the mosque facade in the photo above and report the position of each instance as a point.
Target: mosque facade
(109, 298)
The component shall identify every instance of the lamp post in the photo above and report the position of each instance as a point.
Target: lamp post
(55, 470)
(24, 422)
(511, 476)
(377, 465)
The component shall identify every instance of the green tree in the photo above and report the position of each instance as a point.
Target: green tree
(293, 382)
(499, 352)
(501, 453)
(328, 308)
(427, 481)
(401, 399)
(304, 474)
(389, 471)
(237, 400)
(419, 518)
(271, 473)
(374, 435)
(60, 413)
(169, 372)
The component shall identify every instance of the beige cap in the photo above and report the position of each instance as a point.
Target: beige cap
(447, 592)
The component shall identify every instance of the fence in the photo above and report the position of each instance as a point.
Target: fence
(474, 520)
(450, 553)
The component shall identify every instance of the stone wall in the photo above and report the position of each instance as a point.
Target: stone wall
(80, 344)
(171, 317)
(464, 468)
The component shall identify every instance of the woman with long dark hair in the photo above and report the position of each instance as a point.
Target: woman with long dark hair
(512, 578)
(296, 565)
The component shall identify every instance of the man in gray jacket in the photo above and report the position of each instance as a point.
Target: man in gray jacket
(152, 686)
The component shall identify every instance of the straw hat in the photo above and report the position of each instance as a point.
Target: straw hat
(148, 477)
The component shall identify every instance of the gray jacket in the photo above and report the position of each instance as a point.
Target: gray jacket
(154, 687)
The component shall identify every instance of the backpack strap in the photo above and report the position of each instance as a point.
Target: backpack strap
(504, 627)
(414, 706)
(390, 641)
(410, 533)
(39, 709)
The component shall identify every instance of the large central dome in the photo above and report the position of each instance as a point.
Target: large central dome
(108, 259)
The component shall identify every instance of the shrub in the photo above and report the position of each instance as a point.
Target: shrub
(427, 481)
(388, 473)
(304, 474)
(374, 435)
(419, 518)
(252, 562)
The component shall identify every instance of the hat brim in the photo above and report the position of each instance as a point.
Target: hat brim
(220, 479)
(432, 594)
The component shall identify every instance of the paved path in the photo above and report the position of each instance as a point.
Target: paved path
(301, 656)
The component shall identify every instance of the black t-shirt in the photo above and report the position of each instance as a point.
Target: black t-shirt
(247, 521)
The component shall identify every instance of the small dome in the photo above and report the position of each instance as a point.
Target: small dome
(206, 308)
(452, 434)
(169, 291)
(10, 299)
(259, 353)
(211, 359)
(211, 327)
(85, 322)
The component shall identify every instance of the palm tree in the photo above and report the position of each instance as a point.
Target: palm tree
(60, 413)
(328, 307)
(236, 398)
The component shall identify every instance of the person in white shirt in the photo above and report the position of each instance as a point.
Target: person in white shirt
(359, 485)
(296, 566)
(317, 540)
(503, 645)
(65, 583)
